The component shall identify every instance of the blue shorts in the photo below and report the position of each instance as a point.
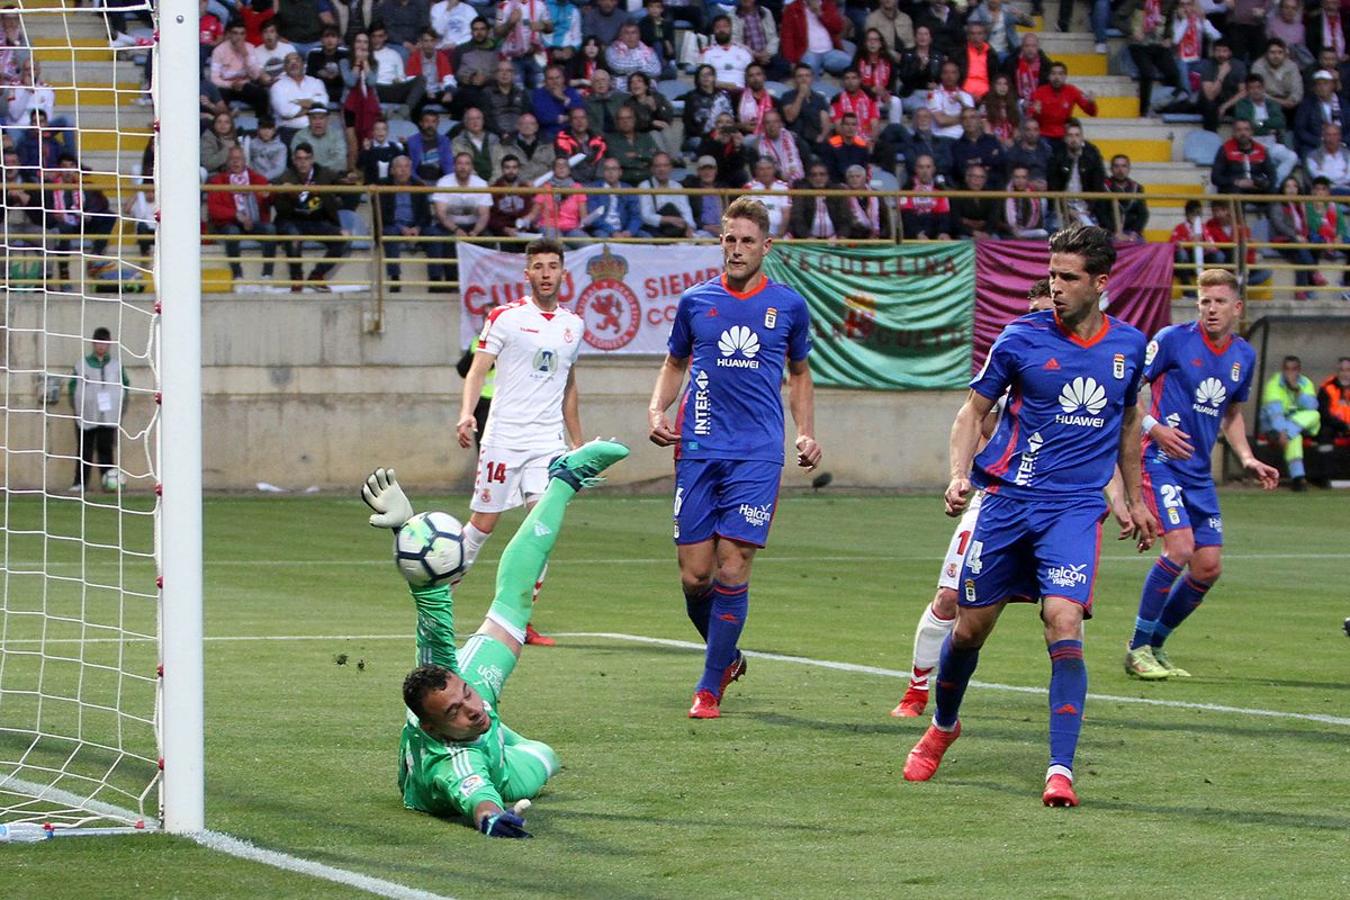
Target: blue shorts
(726, 498)
(1177, 506)
(1026, 550)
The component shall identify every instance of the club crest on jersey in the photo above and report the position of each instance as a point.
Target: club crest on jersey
(1118, 366)
(1236, 373)
(770, 317)
(567, 336)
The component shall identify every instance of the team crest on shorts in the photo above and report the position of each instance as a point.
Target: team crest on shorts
(1118, 365)
(970, 590)
(770, 317)
(486, 496)
(1236, 374)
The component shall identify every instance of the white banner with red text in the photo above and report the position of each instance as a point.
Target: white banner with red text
(625, 293)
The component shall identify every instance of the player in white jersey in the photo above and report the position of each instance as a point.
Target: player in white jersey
(940, 615)
(535, 414)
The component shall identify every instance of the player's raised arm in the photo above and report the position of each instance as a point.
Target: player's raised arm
(668, 383)
(1235, 430)
(802, 403)
(465, 427)
(965, 438)
(1128, 462)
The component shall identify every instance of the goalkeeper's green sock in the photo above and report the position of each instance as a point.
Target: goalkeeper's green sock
(524, 559)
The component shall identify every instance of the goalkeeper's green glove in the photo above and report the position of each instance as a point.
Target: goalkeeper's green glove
(382, 494)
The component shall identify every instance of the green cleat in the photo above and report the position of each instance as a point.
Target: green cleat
(581, 467)
(1139, 663)
(1160, 656)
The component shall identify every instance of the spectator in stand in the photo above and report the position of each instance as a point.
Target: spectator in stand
(1002, 113)
(632, 148)
(293, 95)
(510, 207)
(1222, 83)
(583, 148)
(328, 144)
(459, 211)
(1285, 22)
(379, 151)
(552, 102)
(628, 55)
(301, 22)
(358, 77)
(432, 65)
(1077, 167)
(947, 101)
(780, 207)
(853, 100)
(688, 11)
(1328, 60)
(1033, 152)
(209, 103)
(1317, 109)
(603, 101)
(1268, 125)
(1288, 413)
(475, 62)
(753, 27)
(311, 214)
(977, 60)
(920, 70)
(264, 152)
(1289, 224)
(728, 147)
(1327, 30)
(1021, 218)
(429, 150)
(876, 70)
(1331, 160)
(1052, 104)
(475, 140)
(533, 152)
(895, 27)
(702, 106)
(42, 146)
(504, 100)
(392, 82)
(1127, 218)
(1099, 16)
(667, 213)
(819, 218)
(1333, 404)
(926, 218)
(1149, 48)
(976, 147)
(325, 61)
(404, 20)
(1001, 23)
(210, 32)
(845, 148)
(1029, 69)
(521, 26)
(923, 140)
(561, 43)
(1242, 166)
(269, 57)
(945, 24)
(70, 208)
(1184, 239)
(216, 143)
(1245, 28)
(452, 21)
(784, 149)
(805, 110)
(403, 214)
(241, 212)
(974, 217)
(707, 208)
(813, 34)
(603, 19)
(353, 17)
(755, 101)
(867, 208)
(612, 215)
(727, 58)
(234, 72)
(1190, 30)
(1220, 231)
(1328, 223)
(654, 112)
(1284, 82)
(657, 30)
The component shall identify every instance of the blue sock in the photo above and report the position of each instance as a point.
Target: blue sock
(1296, 469)
(1187, 594)
(699, 607)
(730, 603)
(1068, 693)
(1157, 587)
(955, 666)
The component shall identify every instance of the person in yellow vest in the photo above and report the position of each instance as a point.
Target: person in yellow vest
(1333, 404)
(1288, 412)
(99, 397)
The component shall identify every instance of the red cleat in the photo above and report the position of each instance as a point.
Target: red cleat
(705, 706)
(1059, 792)
(731, 673)
(926, 756)
(539, 640)
(912, 704)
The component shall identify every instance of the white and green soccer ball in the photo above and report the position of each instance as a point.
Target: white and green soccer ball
(429, 549)
(112, 480)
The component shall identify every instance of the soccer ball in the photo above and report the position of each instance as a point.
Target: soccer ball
(112, 480)
(429, 549)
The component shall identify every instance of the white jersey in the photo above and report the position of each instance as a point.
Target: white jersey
(535, 352)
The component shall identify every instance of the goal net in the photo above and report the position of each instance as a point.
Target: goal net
(80, 498)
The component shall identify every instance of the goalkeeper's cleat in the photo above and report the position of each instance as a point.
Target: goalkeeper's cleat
(705, 706)
(912, 704)
(926, 756)
(731, 673)
(1173, 671)
(581, 467)
(1059, 791)
(1140, 663)
(537, 639)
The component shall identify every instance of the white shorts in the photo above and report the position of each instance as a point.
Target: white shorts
(507, 478)
(956, 550)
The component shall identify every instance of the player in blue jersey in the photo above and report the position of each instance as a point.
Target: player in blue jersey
(1200, 375)
(1072, 377)
(733, 334)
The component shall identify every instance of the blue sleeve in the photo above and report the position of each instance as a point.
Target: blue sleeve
(799, 337)
(999, 366)
(1132, 389)
(1158, 356)
(681, 342)
(1244, 389)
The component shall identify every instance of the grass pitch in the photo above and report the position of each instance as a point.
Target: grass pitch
(796, 791)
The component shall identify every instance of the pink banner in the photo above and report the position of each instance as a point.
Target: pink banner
(1139, 292)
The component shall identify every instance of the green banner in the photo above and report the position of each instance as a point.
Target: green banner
(890, 318)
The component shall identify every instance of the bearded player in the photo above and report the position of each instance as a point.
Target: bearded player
(1072, 377)
(733, 334)
(940, 615)
(456, 758)
(1200, 375)
(535, 415)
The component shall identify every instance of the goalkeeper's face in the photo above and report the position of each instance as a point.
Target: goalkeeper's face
(454, 712)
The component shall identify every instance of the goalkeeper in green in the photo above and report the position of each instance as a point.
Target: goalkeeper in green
(456, 758)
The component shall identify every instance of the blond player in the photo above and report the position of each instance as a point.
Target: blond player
(535, 414)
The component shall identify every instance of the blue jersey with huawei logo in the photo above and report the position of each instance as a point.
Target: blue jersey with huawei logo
(1059, 437)
(1194, 382)
(738, 343)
